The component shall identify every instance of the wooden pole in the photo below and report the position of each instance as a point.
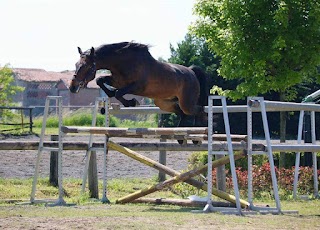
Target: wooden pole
(182, 202)
(93, 176)
(143, 146)
(162, 160)
(221, 175)
(184, 177)
(30, 119)
(172, 172)
(53, 178)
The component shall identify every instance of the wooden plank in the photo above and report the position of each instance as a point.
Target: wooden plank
(138, 146)
(177, 133)
(118, 132)
(182, 202)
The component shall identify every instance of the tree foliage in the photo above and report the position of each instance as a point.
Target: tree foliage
(267, 44)
(7, 89)
(194, 51)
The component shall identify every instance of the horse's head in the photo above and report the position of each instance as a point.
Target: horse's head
(85, 71)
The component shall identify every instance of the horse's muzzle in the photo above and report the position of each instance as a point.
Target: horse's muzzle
(74, 88)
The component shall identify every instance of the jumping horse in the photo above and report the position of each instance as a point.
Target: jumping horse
(174, 88)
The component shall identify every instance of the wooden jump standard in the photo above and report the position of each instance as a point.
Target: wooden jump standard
(170, 133)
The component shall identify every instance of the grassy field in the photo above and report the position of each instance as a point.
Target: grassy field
(89, 214)
(80, 117)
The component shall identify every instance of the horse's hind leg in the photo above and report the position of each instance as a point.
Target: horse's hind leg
(188, 104)
(173, 106)
(201, 119)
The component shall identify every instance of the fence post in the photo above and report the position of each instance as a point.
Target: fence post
(221, 175)
(162, 153)
(30, 119)
(53, 178)
(307, 139)
(92, 176)
(162, 160)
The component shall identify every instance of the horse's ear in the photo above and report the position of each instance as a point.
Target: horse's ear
(79, 50)
(92, 52)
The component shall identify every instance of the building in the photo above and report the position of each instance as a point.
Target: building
(39, 84)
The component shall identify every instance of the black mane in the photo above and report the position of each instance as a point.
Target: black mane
(121, 47)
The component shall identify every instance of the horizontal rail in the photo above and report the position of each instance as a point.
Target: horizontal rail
(290, 106)
(115, 131)
(157, 146)
(295, 148)
(271, 106)
(17, 107)
(181, 133)
(1, 123)
(138, 146)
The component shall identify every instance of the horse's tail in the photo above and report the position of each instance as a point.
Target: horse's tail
(203, 81)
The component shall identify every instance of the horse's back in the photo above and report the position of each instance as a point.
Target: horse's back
(169, 81)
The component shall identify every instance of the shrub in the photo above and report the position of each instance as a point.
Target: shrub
(262, 181)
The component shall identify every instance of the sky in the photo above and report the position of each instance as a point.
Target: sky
(45, 34)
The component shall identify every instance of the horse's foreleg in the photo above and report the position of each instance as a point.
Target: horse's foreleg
(130, 89)
(105, 80)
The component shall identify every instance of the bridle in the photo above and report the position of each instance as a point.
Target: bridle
(87, 78)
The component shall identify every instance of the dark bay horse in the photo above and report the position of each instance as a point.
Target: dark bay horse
(174, 88)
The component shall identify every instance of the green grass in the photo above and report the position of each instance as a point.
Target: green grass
(87, 214)
(81, 118)
(20, 189)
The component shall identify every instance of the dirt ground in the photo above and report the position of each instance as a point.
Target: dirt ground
(21, 164)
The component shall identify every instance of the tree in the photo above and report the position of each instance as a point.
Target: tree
(194, 51)
(269, 45)
(7, 90)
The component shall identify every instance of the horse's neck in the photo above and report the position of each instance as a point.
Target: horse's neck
(117, 62)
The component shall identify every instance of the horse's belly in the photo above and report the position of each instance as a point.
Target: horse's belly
(160, 92)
